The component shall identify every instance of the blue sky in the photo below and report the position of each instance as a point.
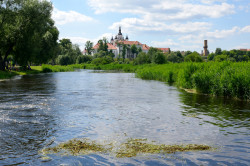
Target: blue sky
(179, 24)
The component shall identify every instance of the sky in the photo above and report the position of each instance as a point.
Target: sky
(176, 24)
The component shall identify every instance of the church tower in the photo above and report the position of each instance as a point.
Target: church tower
(119, 36)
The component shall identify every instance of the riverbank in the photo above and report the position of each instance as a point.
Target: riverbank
(227, 79)
(12, 73)
(214, 78)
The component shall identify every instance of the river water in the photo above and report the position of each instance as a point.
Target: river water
(39, 110)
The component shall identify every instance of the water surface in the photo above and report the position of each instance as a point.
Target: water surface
(38, 111)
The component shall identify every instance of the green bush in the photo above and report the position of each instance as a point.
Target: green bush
(102, 61)
(83, 59)
(63, 60)
(193, 57)
(142, 58)
(158, 58)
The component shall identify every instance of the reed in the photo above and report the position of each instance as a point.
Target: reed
(216, 78)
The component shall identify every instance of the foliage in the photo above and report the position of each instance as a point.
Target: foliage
(63, 60)
(102, 61)
(68, 52)
(175, 57)
(232, 55)
(215, 78)
(88, 47)
(218, 51)
(142, 58)
(27, 32)
(158, 58)
(134, 49)
(83, 59)
(193, 57)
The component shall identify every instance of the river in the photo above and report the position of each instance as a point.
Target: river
(43, 109)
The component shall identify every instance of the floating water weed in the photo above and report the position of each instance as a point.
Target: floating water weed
(131, 148)
(76, 147)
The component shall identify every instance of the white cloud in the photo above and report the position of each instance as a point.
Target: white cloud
(245, 29)
(243, 45)
(81, 40)
(222, 33)
(163, 9)
(63, 17)
(132, 25)
(164, 44)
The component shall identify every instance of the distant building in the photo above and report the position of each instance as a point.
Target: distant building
(205, 53)
(116, 46)
(244, 49)
(165, 50)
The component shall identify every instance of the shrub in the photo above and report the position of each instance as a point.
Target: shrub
(158, 58)
(193, 57)
(83, 59)
(142, 58)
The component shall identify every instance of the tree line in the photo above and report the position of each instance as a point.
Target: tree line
(27, 32)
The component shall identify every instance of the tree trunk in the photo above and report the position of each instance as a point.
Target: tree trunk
(2, 64)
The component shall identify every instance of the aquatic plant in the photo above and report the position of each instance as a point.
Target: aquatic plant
(130, 148)
(133, 147)
(76, 147)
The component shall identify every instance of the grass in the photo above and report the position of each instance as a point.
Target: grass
(216, 78)
(130, 148)
(12, 73)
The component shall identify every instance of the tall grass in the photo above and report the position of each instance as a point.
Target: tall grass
(118, 67)
(216, 78)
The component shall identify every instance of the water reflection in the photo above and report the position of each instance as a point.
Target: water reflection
(225, 112)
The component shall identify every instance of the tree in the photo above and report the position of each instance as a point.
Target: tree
(194, 57)
(72, 51)
(175, 57)
(134, 49)
(124, 50)
(218, 51)
(89, 47)
(151, 52)
(158, 58)
(141, 58)
(139, 49)
(26, 29)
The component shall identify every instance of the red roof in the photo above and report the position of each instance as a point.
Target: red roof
(130, 42)
(110, 46)
(145, 47)
(164, 49)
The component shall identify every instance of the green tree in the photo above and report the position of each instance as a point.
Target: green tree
(89, 47)
(175, 57)
(194, 57)
(158, 58)
(142, 58)
(139, 49)
(124, 50)
(218, 51)
(26, 29)
(134, 50)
